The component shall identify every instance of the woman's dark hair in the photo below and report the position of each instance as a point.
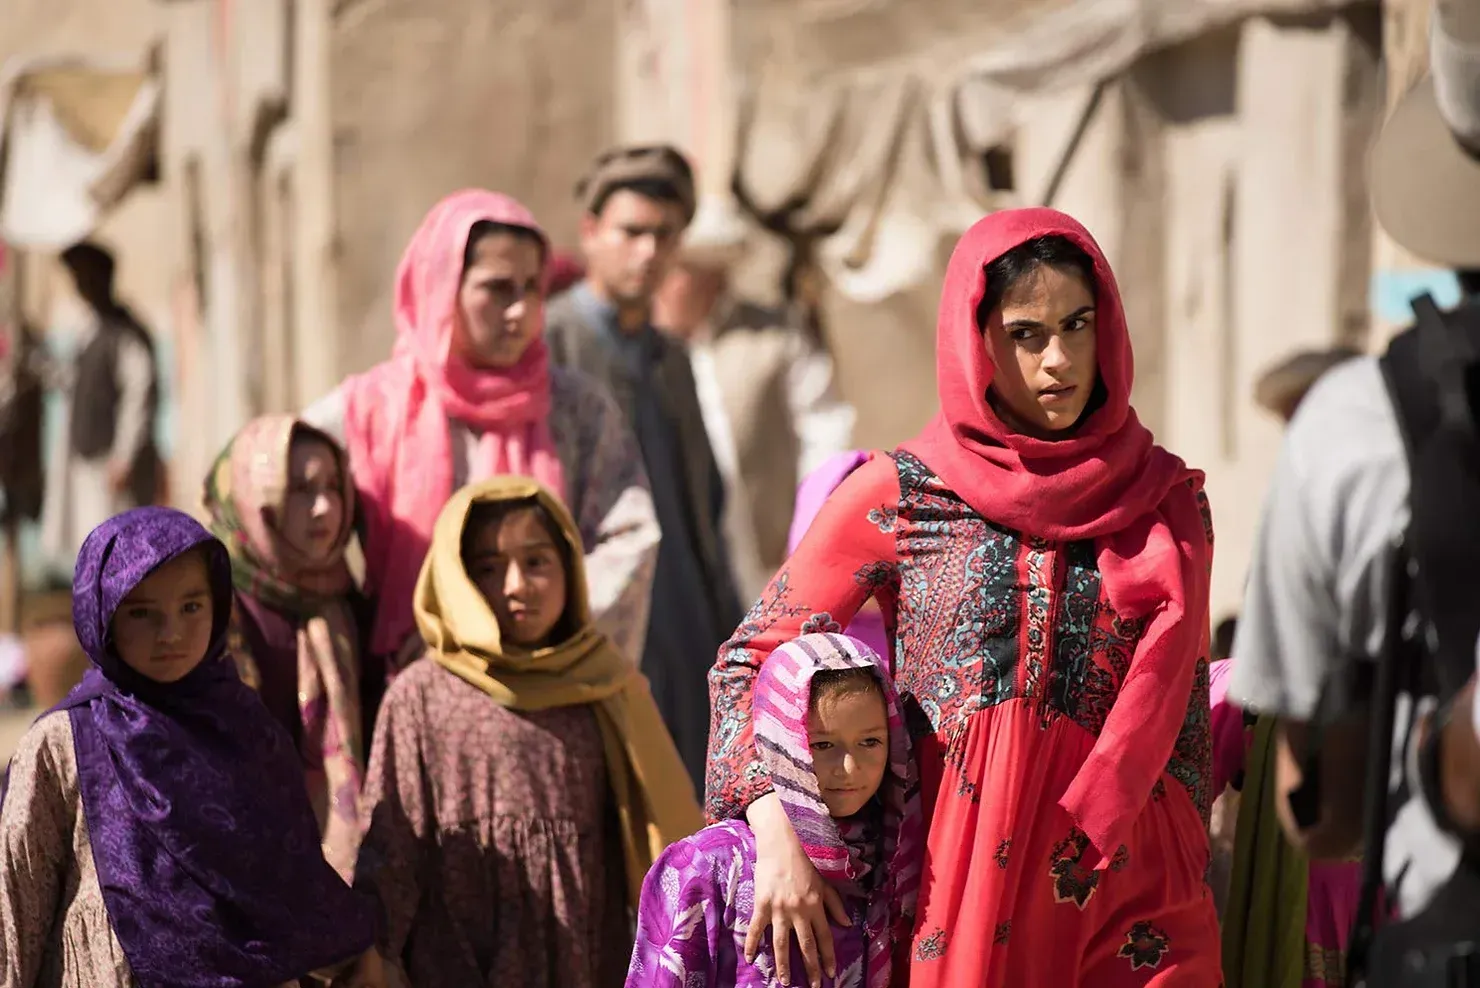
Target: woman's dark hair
(487, 228)
(1054, 250)
(492, 513)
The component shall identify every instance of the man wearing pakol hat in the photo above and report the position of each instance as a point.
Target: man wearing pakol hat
(770, 406)
(1282, 387)
(637, 203)
(1327, 574)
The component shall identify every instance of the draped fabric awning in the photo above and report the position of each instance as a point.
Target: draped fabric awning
(876, 155)
(76, 135)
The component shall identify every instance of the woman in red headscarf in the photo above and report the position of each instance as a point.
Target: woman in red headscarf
(1043, 568)
(468, 393)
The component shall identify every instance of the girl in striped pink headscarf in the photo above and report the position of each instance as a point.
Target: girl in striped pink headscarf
(830, 729)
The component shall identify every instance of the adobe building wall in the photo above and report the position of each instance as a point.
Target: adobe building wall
(429, 96)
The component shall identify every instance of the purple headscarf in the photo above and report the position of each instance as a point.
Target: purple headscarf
(812, 494)
(206, 847)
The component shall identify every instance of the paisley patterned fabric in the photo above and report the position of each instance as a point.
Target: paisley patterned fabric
(206, 848)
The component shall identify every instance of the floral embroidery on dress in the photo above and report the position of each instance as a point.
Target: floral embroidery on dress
(1002, 933)
(1326, 965)
(1144, 946)
(1121, 858)
(821, 624)
(932, 947)
(733, 773)
(884, 517)
(874, 576)
(1072, 880)
(1003, 847)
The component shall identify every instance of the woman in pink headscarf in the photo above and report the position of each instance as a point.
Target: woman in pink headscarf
(469, 392)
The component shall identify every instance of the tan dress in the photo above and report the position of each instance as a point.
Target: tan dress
(492, 843)
(54, 927)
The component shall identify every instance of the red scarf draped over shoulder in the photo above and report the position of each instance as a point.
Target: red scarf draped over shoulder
(397, 413)
(1108, 482)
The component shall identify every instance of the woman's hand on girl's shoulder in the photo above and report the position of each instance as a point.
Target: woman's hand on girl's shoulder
(790, 897)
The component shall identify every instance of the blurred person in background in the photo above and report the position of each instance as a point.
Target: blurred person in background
(1282, 388)
(281, 499)
(22, 410)
(770, 404)
(1286, 920)
(637, 203)
(110, 463)
(1326, 620)
(470, 392)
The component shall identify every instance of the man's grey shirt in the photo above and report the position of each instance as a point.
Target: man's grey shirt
(1317, 596)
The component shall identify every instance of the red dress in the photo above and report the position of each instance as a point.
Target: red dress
(1009, 659)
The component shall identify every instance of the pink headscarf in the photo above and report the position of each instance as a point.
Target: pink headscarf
(396, 414)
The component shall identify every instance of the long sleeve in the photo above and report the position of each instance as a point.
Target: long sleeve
(822, 419)
(619, 525)
(35, 841)
(682, 937)
(396, 812)
(847, 556)
(135, 382)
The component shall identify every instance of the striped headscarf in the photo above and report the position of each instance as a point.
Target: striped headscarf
(847, 851)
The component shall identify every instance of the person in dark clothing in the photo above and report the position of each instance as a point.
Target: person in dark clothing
(111, 461)
(638, 201)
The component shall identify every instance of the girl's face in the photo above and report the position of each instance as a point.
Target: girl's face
(163, 627)
(849, 734)
(519, 570)
(313, 514)
(1041, 341)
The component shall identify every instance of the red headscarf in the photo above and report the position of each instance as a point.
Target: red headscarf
(396, 414)
(1109, 482)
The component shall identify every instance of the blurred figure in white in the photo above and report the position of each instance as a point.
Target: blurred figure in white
(766, 388)
(1367, 557)
(109, 462)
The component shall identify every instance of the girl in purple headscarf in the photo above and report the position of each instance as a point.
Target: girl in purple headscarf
(156, 830)
(829, 727)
